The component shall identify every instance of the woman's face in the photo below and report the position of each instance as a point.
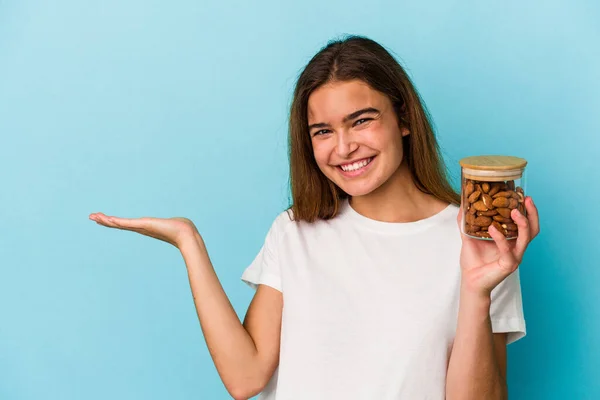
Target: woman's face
(356, 140)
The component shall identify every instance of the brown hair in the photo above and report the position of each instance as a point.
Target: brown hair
(314, 196)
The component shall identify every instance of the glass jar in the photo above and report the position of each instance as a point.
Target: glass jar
(491, 187)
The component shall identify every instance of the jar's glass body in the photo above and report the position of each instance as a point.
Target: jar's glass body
(488, 197)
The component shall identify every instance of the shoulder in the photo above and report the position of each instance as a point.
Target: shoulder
(285, 224)
(283, 220)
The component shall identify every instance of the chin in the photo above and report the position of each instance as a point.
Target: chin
(356, 190)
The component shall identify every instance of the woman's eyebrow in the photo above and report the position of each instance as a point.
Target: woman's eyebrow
(358, 113)
(347, 118)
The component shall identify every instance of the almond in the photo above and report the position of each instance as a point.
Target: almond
(491, 203)
(471, 228)
(482, 221)
(479, 206)
(474, 196)
(470, 219)
(494, 189)
(469, 188)
(489, 213)
(487, 200)
(501, 219)
(501, 202)
(505, 212)
(503, 194)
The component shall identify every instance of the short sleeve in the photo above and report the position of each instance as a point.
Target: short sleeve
(265, 268)
(506, 311)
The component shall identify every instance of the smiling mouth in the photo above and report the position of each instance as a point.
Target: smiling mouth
(356, 166)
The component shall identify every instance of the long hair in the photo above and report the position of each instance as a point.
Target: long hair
(314, 196)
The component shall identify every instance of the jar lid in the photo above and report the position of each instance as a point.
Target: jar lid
(493, 163)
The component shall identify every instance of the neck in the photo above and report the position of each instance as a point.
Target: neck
(398, 200)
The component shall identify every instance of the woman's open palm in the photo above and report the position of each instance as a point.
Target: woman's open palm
(170, 230)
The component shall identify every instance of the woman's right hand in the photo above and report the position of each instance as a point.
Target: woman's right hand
(245, 355)
(171, 230)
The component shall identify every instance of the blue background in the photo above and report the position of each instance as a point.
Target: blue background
(138, 108)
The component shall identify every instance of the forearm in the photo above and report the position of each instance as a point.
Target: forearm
(473, 370)
(229, 343)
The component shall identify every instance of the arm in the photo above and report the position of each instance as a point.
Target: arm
(245, 355)
(477, 367)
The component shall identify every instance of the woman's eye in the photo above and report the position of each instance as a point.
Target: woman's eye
(362, 121)
(321, 132)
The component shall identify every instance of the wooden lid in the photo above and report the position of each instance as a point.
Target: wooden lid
(493, 163)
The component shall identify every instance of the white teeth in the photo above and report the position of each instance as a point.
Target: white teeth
(356, 165)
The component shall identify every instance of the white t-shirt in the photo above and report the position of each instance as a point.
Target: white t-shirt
(370, 307)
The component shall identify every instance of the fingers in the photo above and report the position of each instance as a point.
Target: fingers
(524, 236)
(134, 224)
(507, 259)
(533, 217)
(128, 223)
(499, 238)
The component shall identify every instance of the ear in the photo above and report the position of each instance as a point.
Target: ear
(404, 131)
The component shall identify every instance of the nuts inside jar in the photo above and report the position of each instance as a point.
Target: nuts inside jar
(491, 203)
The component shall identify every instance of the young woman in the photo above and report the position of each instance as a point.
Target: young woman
(365, 287)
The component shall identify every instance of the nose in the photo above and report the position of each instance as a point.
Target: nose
(346, 144)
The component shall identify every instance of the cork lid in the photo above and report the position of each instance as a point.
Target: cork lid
(493, 163)
(493, 168)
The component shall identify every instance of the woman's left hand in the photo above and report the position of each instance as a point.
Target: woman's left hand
(485, 264)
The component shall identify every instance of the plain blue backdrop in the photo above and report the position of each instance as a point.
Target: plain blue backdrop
(179, 108)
